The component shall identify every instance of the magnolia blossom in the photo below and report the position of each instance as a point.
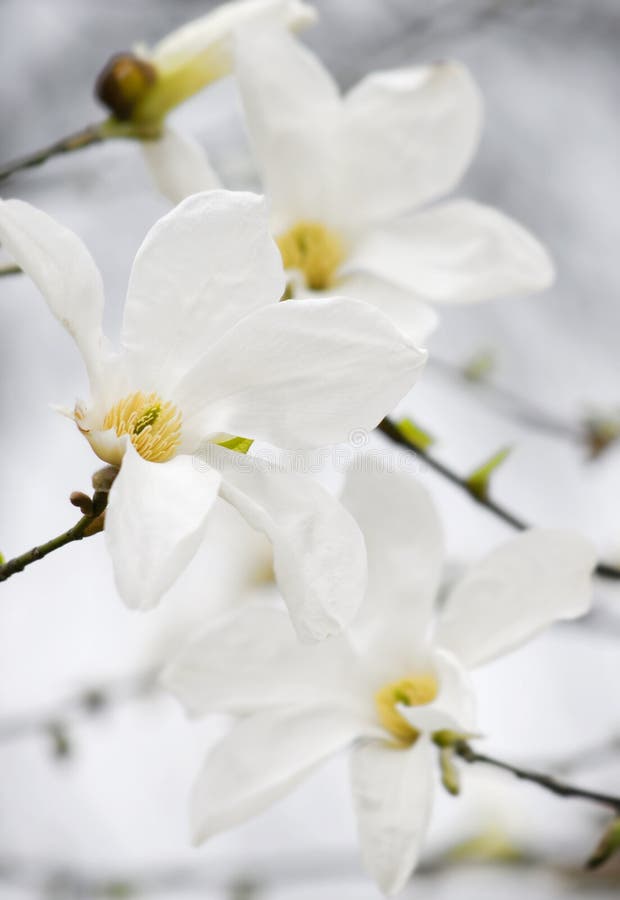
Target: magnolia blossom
(208, 353)
(399, 676)
(350, 179)
(142, 87)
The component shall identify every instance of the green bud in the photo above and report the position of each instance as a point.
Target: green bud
(415, 434)
(479, 366)
(449, 772)
(608, 845)
(479, 480)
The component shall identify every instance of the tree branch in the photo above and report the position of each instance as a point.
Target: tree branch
(93, 514)
(92, 134)
(560, 788)
(9, 270)
(391, 430)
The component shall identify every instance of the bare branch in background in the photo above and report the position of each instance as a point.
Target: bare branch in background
(391, 430)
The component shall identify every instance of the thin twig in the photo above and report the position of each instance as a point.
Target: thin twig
(19, 563)
(560, 788)
(527, 412)
(391, 430)
(9, 270)
(92, 522)
(92, 134)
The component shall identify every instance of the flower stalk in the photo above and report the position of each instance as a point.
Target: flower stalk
(391, 430)
(91, 523)
(560, 788)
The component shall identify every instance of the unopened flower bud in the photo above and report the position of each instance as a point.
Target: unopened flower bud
(103, 479)
(123, 82)
(83, 502)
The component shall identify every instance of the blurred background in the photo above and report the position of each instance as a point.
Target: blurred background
(95, 764)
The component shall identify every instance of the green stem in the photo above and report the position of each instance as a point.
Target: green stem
(392, 431)
(84, 528)
(92, 134)
(9, 270)
(559, 788)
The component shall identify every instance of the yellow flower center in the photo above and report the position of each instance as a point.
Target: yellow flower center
(313, 249)
(154, 427)
(414, 691)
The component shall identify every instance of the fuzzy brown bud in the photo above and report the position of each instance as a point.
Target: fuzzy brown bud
(123, 82)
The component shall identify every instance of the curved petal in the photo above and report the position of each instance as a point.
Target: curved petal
(318, 550)
(410, 134)
(293, 112)
(301, 374)
(261, 760)
(200, 269)
(404, 542)
(517, 591)
(63, 270)
(415, 318)
(212, 31)
(393, 794)
(179, 166)
(458, 252)
(252, 660)
(155, 521)
(454, 708)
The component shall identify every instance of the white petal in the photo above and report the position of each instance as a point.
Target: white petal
(404, 542)
(201, 269)
(210, 34)
(302, 374)
(319, 555)
(408, 312)
(261, 760)
(155, 522)
(458, 252)
(293, 111)
(179, 166)
(252, 660)
(63, 270)
(410, 135)
(517, 591)
(393, 794)
(454, 708)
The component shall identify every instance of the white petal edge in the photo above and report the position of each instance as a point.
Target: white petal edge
(179, 166)
(456, 252)
(409, 135)
(403, 307)
(155, 521)
(405, 547)
(213, 30)
(261, 760)
(200, 270)
(65, 273)
(516, 592)
(252, 660)
(293, 111)
(318, 550)
(393, 792)
(302, 374)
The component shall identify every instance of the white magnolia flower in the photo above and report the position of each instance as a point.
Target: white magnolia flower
(142, 87)
(208, 352)
(350, 179)
(382, 690)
